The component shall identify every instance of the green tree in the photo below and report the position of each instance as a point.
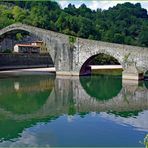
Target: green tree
(118, 38)
(143, 37)
(124, 23)
(18, 14)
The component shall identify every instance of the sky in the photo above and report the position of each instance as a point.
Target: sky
(103, 4)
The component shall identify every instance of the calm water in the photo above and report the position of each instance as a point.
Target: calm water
(41, 110)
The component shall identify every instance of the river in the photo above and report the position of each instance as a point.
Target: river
(45, 110)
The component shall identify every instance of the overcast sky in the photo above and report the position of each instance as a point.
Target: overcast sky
(94, 4)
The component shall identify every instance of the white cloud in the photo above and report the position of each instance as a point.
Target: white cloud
(140, 122)
(63, 4)
(104, 4)
(94, 4)
(145, 5)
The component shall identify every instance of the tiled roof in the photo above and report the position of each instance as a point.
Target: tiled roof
(37, 42)
(26, 45)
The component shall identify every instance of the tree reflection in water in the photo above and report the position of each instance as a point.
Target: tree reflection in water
(21, 98)
(102, 87)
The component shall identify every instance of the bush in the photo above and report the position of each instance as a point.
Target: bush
(72, 39)
(7, 51)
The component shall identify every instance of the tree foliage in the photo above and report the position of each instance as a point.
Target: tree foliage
(124, 23)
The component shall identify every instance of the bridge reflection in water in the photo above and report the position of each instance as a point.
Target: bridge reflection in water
(102, 87)
(27, 100)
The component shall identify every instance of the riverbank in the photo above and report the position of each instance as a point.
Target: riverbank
(106, 69)
(29, 71)
(13, 61)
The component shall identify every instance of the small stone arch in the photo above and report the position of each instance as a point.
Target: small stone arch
(86, 61)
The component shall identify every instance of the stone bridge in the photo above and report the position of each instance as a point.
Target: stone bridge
(71, 58)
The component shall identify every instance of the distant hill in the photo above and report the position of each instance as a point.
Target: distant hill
(124, 23)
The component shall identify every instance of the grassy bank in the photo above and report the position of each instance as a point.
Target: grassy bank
(115, 72)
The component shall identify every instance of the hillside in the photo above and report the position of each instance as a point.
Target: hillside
(124, 23)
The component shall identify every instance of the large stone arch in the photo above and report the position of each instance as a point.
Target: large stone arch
(57, 44)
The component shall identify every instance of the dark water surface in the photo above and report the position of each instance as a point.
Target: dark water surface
(41, 110)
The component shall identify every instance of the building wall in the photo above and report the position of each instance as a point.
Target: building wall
(9, 42)
(16, 48)
(13, 61)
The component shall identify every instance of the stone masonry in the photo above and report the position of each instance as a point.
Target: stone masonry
(69, 58)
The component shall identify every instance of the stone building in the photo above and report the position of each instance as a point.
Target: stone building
(26, 48)
(42, 46)
(34, 47)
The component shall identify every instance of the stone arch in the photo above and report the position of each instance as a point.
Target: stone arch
(57, 45)
(31, 30)
(87, 59)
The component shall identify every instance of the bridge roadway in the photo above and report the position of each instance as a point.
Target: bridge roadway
(72, 58)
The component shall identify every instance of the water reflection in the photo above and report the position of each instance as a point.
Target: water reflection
(21, 102)
(25, 94)
(42, 106)
(102, 87)
(146, 84)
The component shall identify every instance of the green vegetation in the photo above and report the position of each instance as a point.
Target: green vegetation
(101, 87)
(31, 95)
(124, 23)
(7, 51)
(101, 59)
(113, 72)
(146, 141)
(72, 39)
(104, 59)
(19, 36)
(125, 114)
(126, 57)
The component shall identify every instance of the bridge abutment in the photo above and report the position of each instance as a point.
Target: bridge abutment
(125, 76)
(132, 76)
(131, 73)
(67, 73)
